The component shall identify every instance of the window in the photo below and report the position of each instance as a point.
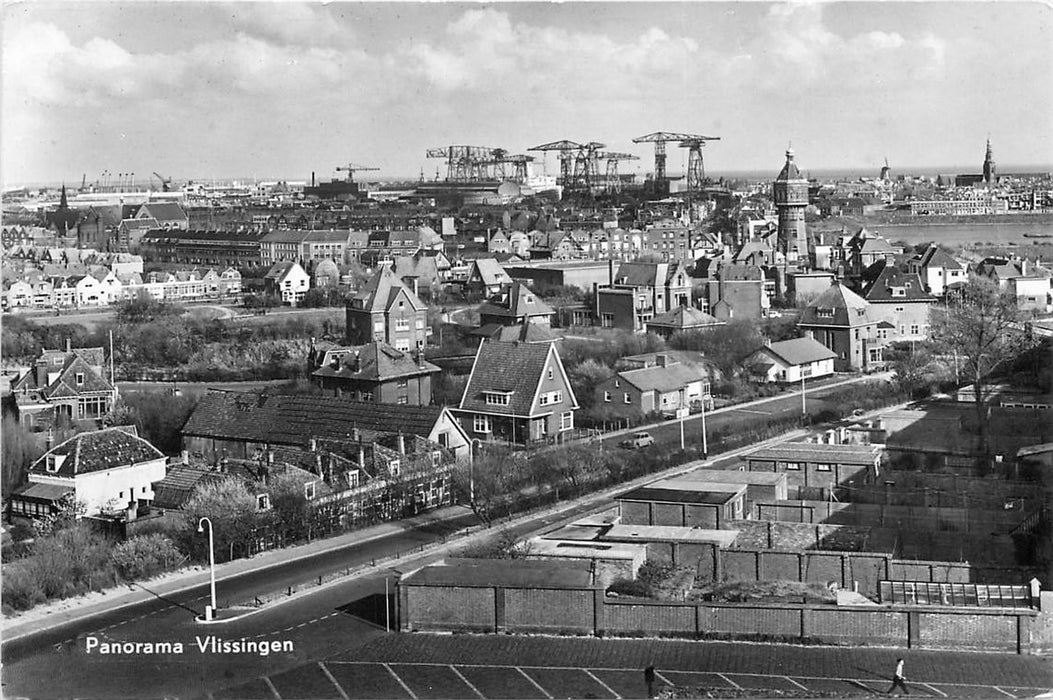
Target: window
(550, 373)
(481, 424)
(367, 395)
(403, 383)
(822, 467)
(308, 490)
(394, 467)
(402, 344)
(120, 494)
(402, 400)
(824, 313)
(436, 458)
(420, 324)
(352, 479)
(378, 326)
(402, 324)
(542, 399)
(498, 398)
(914, 329)
(627, 398)
(263, 502)
(607, 396)
(792, 466)
(80, 378)
(143, 490)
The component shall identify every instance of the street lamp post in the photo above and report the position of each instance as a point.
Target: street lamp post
(705, 444)
(804, 407)
(210, 610)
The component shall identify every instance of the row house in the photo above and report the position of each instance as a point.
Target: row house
(307, 246)
(640, 292)
(667, 240)
(239, 425)
(182, 285)
(516, 243)
(200, 247)
(383, 246)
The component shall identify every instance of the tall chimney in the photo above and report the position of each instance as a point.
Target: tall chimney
(610, 272)
(361, 456)
(69, 344)
(312, 178)
(402, 443)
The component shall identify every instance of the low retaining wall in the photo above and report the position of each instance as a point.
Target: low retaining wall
(589, 612)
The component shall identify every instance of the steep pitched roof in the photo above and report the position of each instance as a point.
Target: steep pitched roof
(513, 368)
(379, 293)
(372, 362)
(490, 272)
(180, 481)
(164, 211)
(98, 450)
(895, 285)
(789, 170)
(840, 306)
(515, 301)
(799, 351)
(65, 384)
(523, 332)
(935, 256)
(294, 420)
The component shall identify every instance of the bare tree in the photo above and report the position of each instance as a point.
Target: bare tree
(981, 326)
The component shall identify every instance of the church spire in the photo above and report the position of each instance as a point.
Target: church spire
(989, 164)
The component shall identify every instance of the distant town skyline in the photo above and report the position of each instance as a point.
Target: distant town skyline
(201, 89)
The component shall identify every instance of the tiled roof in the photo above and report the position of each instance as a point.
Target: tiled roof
(376, 361)
(98, 450)
(643, 274)
(279, 270)
(523, 332)
(789, 170)
(490, 272)
(663, 379)
(515, 301)
(892, 278)
(180, 481)
(65, 385)
(935, 256)
(44, 492)
(294, 420)
(799, 351)
(379, 293)
(685, 317)
(514, 368)
(164, 211)
(848, 309)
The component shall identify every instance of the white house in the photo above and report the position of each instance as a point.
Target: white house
(792, 360)
(288, 280)
(109, 470)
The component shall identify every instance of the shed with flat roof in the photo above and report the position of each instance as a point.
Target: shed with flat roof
(759, 485)
(685, 504)
(679, 546)
(609, 560)
(816, 469)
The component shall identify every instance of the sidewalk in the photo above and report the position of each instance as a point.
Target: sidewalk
(60, 612)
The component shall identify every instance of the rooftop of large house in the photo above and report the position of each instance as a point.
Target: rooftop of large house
(513, 369)
(685, 318)
(95, 451)
(294, 420)
(838, 306)
(671, 377)
(515, 301)
(380, 292)
(799, 351)
(374, 361)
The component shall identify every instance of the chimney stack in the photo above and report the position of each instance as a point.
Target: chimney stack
(661, 360)
(402, 443)
(361, 456)
(69, 344)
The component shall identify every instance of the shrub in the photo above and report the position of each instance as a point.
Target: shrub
(21, 590)
(629, 587)
(144, 556)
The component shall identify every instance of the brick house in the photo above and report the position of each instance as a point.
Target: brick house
(641, 291)
(514, 305)
(374, 372)
(665, 387)
(899, 299)
(938, 270)
(841, 320)
(682, 319)
(70, 384)
(386, 310)
(486, 277)
(517, 392)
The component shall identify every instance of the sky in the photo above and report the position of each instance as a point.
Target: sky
(195, 90)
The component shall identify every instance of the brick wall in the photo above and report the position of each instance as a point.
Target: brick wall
(849, 627)
(634, 513)
(632, 618)
(705, 517)
(545, 610)
(449, 608)
(977, 632)
(764, 621)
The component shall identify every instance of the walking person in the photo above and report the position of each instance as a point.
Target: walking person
(648, 675)
(899, 679)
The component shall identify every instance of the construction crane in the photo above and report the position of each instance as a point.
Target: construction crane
(614, 181)
(586, 167)
(659, 139)
(696, 169)
(567, 153)
(166, 182)
(351, 169)
(464, 163)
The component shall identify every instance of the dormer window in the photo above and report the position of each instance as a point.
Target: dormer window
(497, 398)
(263, 501)
(899, 292)
(80, 379)
(824, 312)
(53, 462)
(393, 467)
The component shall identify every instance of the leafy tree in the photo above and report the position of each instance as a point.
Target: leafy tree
(20, 450)
(230, 506)
(143, 308)
(489, 482)
(584, 378)
(288, 504)
(144, 556)
(980, 326)
(160, 417)
(725, 346)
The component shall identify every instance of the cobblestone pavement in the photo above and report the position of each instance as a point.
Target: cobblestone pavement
(410, 666)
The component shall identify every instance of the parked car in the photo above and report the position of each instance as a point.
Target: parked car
(637, 441)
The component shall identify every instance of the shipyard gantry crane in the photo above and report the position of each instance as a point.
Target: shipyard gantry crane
(696, 169)
(502, 158)
(351, 169)
(166, 182)
(464, 163)
(693, 142)
(614, 181)
(567, 151)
